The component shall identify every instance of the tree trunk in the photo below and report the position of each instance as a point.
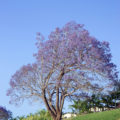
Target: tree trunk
(58, 117)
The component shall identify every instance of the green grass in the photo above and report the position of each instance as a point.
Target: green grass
(106, 115)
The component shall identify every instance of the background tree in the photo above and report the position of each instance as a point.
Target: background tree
(76, 106)
(5, 114)
(69, 63)
(112, 100)
(95, 101)
(115, 98)
(116, 93)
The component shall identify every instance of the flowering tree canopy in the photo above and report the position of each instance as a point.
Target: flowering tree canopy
(68, 64)
(4, 114)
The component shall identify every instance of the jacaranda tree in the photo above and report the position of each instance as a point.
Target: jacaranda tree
(5, 114)
(68, 64)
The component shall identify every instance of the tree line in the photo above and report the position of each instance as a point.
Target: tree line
(100, 101)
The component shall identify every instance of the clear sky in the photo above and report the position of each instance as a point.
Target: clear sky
(21, 19)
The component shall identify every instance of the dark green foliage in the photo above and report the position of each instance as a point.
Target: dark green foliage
(80, 107)
(40, 115)
(97, 101)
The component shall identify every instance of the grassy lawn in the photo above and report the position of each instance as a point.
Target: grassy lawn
(107, 115)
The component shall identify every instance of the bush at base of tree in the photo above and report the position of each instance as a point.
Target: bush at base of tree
(40, 115)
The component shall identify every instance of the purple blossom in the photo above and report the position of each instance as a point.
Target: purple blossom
(4, 114)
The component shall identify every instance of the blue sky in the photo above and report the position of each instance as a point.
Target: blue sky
(20, 20)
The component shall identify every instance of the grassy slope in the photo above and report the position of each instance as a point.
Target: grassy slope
(107, 115)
